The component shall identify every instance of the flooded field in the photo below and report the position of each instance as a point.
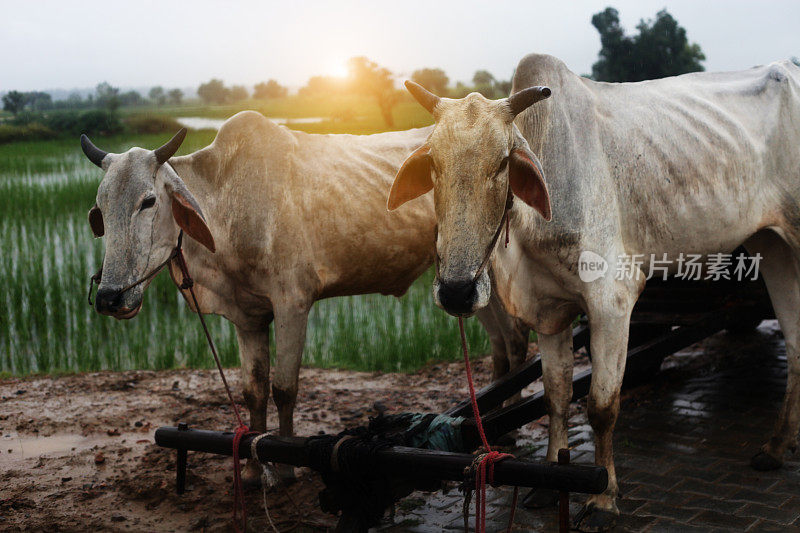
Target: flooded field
(47, 254)
(206, 123)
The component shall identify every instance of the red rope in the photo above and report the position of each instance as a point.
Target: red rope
(238, 491)
(486, 462)
(242, 430)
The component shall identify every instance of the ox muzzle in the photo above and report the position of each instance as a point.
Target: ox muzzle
(462, 297)
(114, 302)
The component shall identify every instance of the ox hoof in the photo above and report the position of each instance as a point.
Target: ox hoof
(591, 518)
(540, 499)
(763, 461)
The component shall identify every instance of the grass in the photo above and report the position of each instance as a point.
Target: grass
(47, 254)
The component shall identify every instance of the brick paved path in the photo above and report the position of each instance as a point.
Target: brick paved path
(682, 444)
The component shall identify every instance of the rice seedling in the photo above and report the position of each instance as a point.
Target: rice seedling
(47, 254)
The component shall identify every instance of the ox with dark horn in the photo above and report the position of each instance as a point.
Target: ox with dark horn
(95, 154)
(168, 150)
(427, 99)
(163, 153)
(519, 102)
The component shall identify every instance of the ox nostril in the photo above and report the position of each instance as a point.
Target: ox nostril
(457, 297)
(107, 300)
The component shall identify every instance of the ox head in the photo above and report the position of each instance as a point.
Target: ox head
(471, 159)
(141, 206)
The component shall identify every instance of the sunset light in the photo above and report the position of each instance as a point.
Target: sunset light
(353, 266)
(338, 68)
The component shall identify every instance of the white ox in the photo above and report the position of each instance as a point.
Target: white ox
(293, 217)
(698, 163)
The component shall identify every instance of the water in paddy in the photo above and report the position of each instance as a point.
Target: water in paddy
(47, 254)
(206, 123)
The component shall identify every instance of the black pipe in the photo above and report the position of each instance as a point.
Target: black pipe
(507, 386)
(397, 460)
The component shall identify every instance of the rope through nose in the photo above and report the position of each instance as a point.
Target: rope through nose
(483, 466)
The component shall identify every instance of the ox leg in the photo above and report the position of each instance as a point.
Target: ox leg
(290, 338)
(609, 320)
(254, 355)
(500, 362)
(779, 267)
(557, 365)
(509, 339)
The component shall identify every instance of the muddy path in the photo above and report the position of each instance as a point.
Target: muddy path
(77, 452)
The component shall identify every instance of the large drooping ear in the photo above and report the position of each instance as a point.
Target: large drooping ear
(186, 211)
(412, 180)
(526, 179)
(96, 221)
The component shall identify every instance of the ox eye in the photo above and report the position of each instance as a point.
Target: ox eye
(502, 166)
(148, 202)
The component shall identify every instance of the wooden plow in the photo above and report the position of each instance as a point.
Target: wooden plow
(367, 469)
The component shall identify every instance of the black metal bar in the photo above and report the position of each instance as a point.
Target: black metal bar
(563, 496)
(580, 336)
(502, 421)
(180, 464)
(397, 461)
(493, 395)
(450, 466)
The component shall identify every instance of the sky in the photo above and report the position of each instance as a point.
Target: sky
(56, 44)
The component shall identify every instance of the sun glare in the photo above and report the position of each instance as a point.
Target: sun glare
(338, 69)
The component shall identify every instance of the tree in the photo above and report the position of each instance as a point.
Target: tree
(460, 90)
(13, 102)
(157, 95)
(484, 83)
(107, 96)
(270, 89)
(433, 79)
(660, 49)
(323, 85)
(502, 87)
(368, 78)
(131, 98)
(39, 101)
(74, 99)
(213, 92)
(175, 96)
(238, 93)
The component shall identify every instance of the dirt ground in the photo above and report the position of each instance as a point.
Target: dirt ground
(77, 452)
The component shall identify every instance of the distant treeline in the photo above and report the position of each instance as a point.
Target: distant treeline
(660, 48)
(34, 125)
(104, 97)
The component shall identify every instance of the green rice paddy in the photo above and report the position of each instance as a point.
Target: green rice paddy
(47, 254)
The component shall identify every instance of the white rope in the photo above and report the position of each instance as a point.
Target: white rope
(267, 477)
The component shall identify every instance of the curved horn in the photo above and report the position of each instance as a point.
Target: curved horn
(168, 150)
(95, 154)
(519, 102)
(427, 99)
